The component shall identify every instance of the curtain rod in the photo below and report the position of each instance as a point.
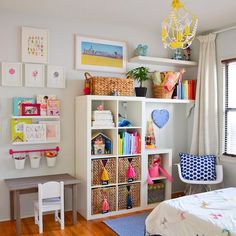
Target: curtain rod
(224, 30)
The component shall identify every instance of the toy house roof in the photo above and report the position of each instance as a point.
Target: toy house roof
(103, 135)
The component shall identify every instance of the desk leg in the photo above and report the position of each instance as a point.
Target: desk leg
(12, 204)
(74, 208)
(18, 221)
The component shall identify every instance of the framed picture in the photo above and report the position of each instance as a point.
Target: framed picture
(29, 109)
(52, 130)
(34, 75)
(100, 55)
(11, 74)
(34, 132)
(17, 102)
(55, 77)
(34, 45)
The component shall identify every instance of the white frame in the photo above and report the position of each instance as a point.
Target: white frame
(58, 131)
(7, 79)
(26, 32)
(36, 140)
(52, 81)
(29, 80)
(78, 52)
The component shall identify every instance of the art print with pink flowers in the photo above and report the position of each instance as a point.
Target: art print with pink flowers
(34, 75)
(11, 74)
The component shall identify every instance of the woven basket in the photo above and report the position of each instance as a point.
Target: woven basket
(156, 192)
(97, 168)
(98, 196)
(123, 166)
(108, 85)
(123, 194)
(159, 91)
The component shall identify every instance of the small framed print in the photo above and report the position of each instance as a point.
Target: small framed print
(34, 75)
(52, 131)
(30, 109)
(55, 77)
(34, 132)
(34, 45)
(11, 74)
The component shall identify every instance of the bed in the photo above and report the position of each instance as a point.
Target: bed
(205, 214)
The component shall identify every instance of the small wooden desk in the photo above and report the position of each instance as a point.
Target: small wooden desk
(29, 185)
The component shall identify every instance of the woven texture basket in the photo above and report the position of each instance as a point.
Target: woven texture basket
(159, 91)
(97, 168)
(123, 195)
(98, 196)
(156, 192)
(107, 85)
(123, 166)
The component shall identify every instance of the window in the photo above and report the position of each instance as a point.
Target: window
(229, 71)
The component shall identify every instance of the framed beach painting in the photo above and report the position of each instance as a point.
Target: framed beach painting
(34, 75)
(100, 55)
(11, 74)
(34, 45)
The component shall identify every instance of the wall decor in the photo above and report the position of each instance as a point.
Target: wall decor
(34, 75)
(100, 55)
(34, 132)
(29, 109)
(17, 103)
(55, 77)
(160, 117)
(34, 45)
(52, 130)
(11, 74)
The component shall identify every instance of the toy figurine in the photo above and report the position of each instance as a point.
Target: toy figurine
(129, 198)
(104, 176)
(150, 137)
(105, 206)
(187, 54)
(130, 171)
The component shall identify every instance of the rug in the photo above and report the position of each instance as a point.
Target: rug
(128, 226)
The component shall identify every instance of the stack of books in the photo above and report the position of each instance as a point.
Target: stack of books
(186, 90)
(129, 143)
(102, 119)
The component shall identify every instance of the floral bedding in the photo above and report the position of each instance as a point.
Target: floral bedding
(205, 214)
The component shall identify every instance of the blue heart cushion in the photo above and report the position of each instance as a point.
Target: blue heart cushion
(160, 117)
(195, 167)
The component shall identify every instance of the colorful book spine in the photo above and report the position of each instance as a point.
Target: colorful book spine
(184, 89)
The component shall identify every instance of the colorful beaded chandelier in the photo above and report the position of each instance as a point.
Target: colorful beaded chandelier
(179, 27)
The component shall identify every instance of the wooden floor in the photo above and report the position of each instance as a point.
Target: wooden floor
(51, 228)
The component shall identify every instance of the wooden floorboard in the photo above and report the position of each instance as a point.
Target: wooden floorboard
(51, 228)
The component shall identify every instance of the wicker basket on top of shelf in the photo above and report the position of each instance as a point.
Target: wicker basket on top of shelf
(159, 91)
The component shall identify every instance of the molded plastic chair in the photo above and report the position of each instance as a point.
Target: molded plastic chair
(50, 198)
(206, 184)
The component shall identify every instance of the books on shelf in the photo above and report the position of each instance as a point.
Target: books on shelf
(17, 129)
(102, 118)
(129, 143)
(186, 89)
(42, 100)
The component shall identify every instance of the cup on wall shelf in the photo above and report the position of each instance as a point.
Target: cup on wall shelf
(19, 162)
(51, 158)
(35, 159)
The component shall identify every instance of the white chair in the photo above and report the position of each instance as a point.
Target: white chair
(206, 184)
(50, 198)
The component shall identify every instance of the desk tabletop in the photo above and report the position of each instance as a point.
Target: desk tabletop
(32, 182)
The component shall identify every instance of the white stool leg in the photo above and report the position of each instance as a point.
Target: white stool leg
(40, 222)
(56, 215)
(62, 219)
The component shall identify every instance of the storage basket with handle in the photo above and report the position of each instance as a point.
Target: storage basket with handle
(99, 85)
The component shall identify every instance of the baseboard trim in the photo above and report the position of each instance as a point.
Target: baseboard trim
(177, 194)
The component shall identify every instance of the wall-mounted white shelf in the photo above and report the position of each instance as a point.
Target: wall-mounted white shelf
(37, 117)
(162, 100)
(29, 143)
(162, 61)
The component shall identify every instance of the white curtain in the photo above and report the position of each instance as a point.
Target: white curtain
(205, 125)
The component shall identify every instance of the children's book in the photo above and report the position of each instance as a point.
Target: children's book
(52, 130)
(42, 100)
(17, 129)
(17, 101)
(53, 107)
(34, 132)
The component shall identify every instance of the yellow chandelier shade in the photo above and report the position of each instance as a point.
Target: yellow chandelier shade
(179, 27)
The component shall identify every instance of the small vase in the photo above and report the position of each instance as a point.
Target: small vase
(19, 164)
(51, 161)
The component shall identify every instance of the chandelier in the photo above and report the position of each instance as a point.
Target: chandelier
(179, 27)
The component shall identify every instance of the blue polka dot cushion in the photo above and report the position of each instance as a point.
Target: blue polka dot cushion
(195, 167)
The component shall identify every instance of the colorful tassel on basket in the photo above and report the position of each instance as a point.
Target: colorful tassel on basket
(129, 199)
(105, 206)
(104, 176)
(130, 174)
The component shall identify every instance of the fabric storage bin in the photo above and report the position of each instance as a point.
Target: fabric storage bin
(123, 165)
(123, 195)
(156, 192)
(99, 85)
(97, 169)
(97, 196)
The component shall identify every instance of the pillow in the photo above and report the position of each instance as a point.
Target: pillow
(195, 167)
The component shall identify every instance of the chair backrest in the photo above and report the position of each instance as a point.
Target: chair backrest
(51, 190)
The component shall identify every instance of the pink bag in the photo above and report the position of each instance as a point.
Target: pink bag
(154, 170)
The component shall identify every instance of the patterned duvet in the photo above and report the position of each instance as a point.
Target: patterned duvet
(205, 214)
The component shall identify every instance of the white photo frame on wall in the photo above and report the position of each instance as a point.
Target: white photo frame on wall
(11, 74)
(34, 75)
(52, 131)
(55, 77)
(100, 54)
(34, 45)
